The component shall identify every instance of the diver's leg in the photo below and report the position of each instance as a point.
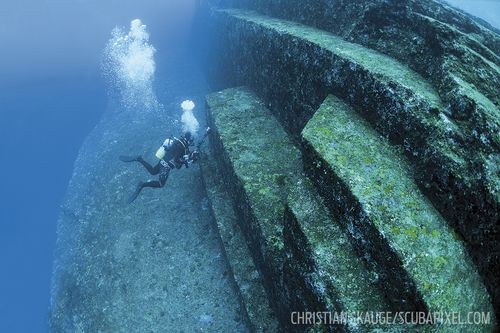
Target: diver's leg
(164, 172)
(153, 170)
(140, 186)
(164, 176)
(152, 183)
(136, 193)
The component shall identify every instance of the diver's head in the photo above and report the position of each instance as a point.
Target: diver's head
(188, 137)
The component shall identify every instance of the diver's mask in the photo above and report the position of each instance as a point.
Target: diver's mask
(188, 138)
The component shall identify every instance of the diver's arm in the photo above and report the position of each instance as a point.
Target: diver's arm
(192, 157)
(186, 160)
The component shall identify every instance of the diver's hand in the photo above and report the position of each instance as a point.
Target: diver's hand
(194, 156)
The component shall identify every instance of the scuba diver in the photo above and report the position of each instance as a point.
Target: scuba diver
(174, 153)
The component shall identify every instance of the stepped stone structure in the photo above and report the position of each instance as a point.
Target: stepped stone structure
(368, 185)
(256, 169)
(360, 151)
(352, 167)
(245, 272)
(322, 271)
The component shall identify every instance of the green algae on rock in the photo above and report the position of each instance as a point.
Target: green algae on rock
(239, 257)
(447, 129)
(330, 276)
(258, 159)
(368, 184)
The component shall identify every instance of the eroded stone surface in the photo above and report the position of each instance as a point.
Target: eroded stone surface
(153, 266)
(306, 258)
(257, 158)
(368, 184)
(446, 46)
(331, 275)
(293, 67)
(246, 275)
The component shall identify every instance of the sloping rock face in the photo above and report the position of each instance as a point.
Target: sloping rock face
(321, 262)
(432, 38)
(152, 266)
(421, 73)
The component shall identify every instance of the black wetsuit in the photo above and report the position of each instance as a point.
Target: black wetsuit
(174, 158)
(177, 154)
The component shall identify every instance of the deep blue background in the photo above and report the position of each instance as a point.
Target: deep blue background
(51, 96)
(42, 127)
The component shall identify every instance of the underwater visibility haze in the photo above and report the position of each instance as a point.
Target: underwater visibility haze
(249, 166)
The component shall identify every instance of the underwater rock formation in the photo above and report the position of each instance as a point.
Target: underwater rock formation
(413, 260)
(353, 166)
(418, 81)
(368, 185)
(151, 266)
(256, 157)
(246, 275)
(323, 271)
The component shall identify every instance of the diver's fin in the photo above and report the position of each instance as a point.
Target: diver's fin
(136, 193)
(129, 158)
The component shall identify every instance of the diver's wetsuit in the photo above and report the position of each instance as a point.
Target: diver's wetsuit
(162, 169)
(177, 154)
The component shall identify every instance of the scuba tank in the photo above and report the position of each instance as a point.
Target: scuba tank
(160, 153)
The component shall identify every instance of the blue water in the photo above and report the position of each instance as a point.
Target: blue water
(43, 125)
(51, 96)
